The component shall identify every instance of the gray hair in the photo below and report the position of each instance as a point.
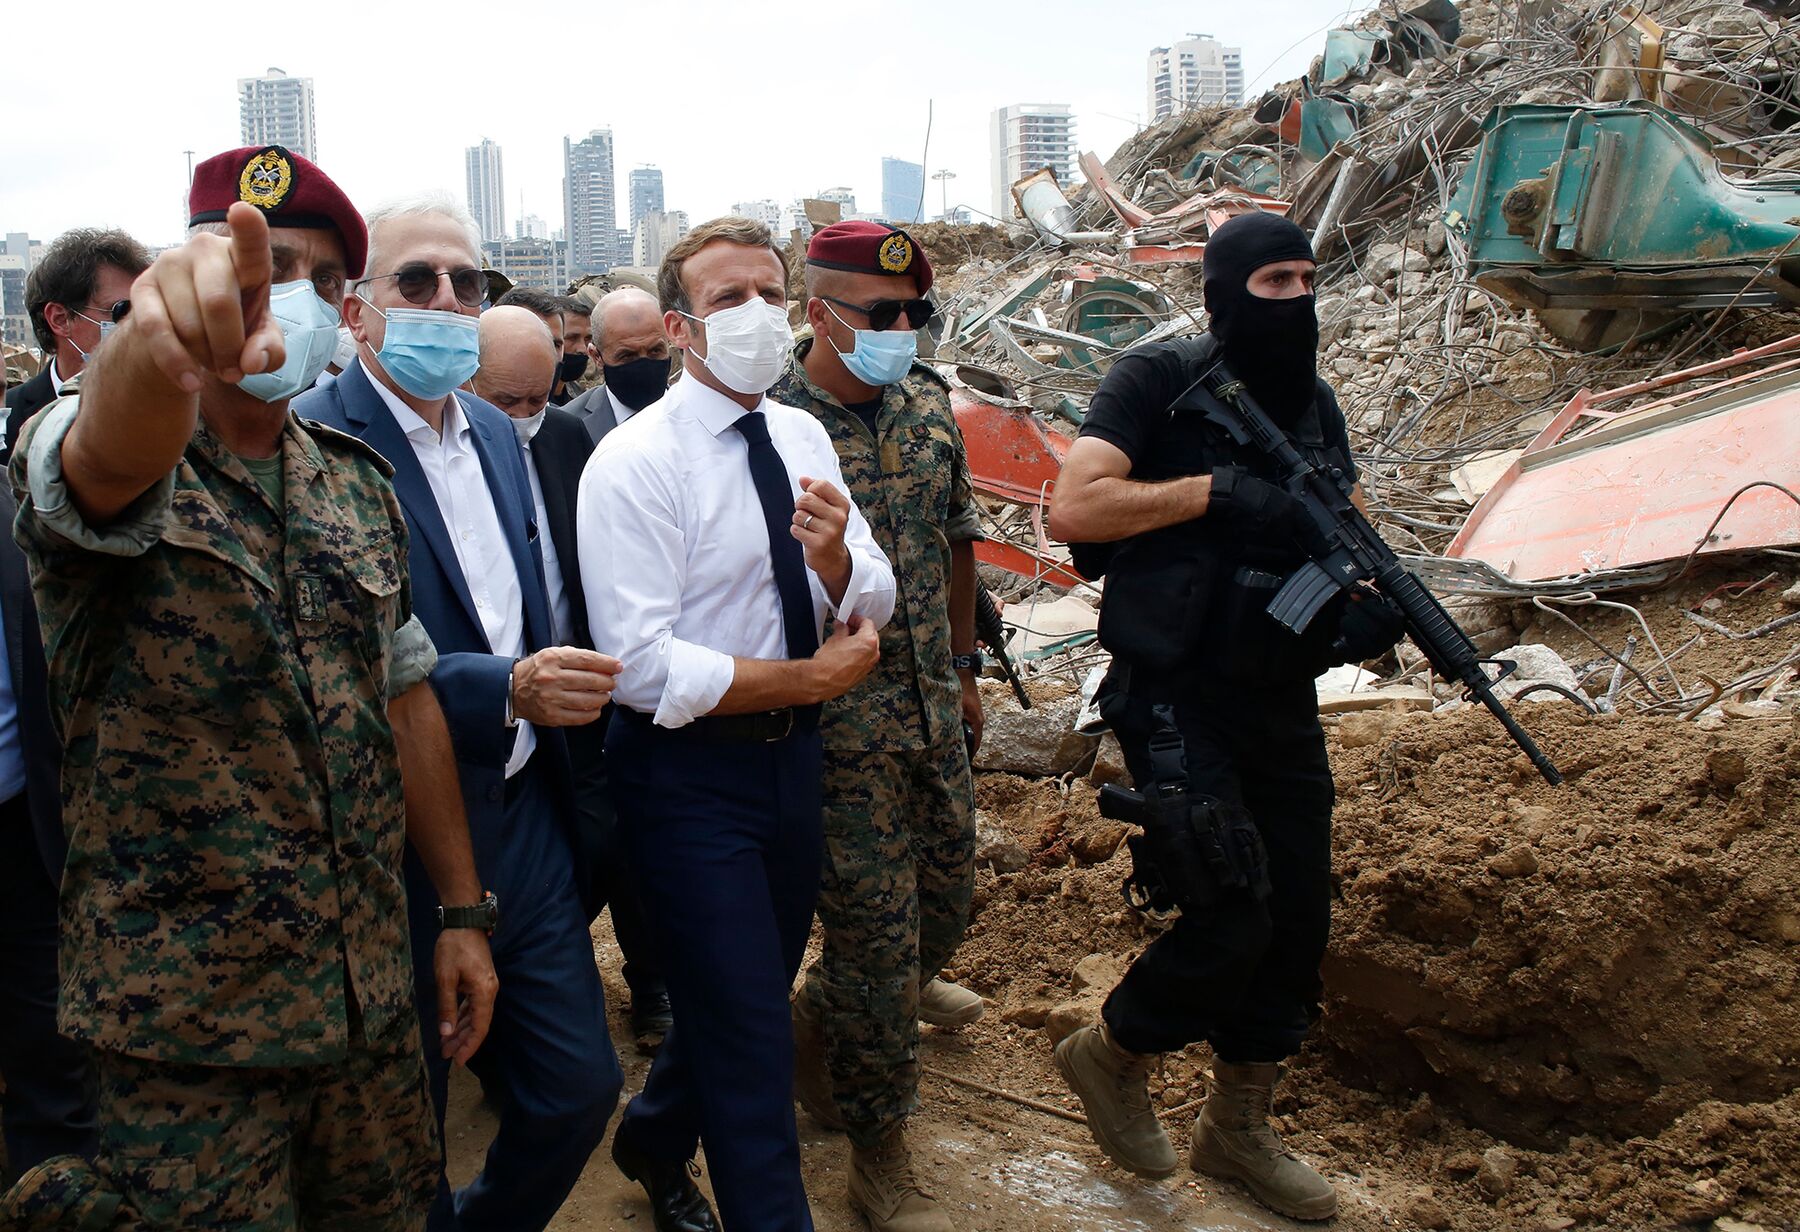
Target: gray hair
(431, 201)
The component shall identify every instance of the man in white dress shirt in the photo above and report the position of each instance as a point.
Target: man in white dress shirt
(730, 541)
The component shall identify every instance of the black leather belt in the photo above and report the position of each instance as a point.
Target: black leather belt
(763, 727)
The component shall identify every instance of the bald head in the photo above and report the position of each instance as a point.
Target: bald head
(518, 360)
(628, 325)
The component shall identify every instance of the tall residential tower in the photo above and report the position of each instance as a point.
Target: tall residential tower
(487, 195)
(276, 109)
(590, 212)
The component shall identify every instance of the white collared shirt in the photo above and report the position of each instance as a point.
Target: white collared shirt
(681, 582)
(620, 412)
(453, 469)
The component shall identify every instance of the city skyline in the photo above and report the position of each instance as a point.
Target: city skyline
(379, 139)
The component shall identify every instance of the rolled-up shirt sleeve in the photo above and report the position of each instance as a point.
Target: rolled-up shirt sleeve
(134, 532)
(632, 576)
(870, 592)
(412, 658)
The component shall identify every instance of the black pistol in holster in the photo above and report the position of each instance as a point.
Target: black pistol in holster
(1194, 851)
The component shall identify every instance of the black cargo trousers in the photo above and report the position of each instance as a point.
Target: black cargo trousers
(1242, 975)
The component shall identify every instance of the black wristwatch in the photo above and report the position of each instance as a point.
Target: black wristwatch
(971, 662)
(484, 915)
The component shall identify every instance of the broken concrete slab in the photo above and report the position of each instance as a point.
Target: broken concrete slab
(1039, 743)
(1396, 698)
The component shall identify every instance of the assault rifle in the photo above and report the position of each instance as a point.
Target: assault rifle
(989, 630)
(1354, 553)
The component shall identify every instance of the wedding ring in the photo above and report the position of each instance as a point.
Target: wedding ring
(804, 525)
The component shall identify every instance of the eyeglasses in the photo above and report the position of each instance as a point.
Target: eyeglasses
(884, 312)
(120, 309)
(418, 282)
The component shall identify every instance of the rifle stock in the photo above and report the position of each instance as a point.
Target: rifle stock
(992, 632)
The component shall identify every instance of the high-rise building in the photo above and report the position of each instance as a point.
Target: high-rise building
(276, 109)
(766, 212)
(902, 191)
(646, 193)
(16, 259)
(590, 213)
(1199, 71)
(534, 263)
(656, 233)
(531, 227)
(487, 197)
(1025, 137)
(845, 199)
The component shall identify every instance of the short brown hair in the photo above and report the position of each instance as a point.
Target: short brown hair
(68, 270)
(731, 229)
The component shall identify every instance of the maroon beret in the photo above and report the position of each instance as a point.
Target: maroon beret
(869, 248)
(285, 186)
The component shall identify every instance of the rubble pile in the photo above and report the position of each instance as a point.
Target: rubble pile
(1445, 370)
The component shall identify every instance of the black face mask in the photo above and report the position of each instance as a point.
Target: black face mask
(1273, 345)
(639, 383)
(571, 367)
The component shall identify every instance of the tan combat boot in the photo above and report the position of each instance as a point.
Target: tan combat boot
(812, 1073)
(1234, 1140)
(883, 1188)
(63, 1194)
(949, 1005)
(1112, 1084)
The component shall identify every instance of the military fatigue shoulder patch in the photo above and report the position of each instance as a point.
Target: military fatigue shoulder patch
(330, 437)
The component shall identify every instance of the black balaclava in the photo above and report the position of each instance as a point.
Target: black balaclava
(1272, 344)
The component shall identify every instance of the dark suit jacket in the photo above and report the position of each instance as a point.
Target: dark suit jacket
(470, 680)
(31, 692)
(560, 453)
(24, 402)
(595, 411)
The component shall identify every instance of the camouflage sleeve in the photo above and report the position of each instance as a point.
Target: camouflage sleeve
(132, 533)
(412, 659)
(963, 525)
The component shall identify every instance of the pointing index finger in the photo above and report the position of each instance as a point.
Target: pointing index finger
(249, 246)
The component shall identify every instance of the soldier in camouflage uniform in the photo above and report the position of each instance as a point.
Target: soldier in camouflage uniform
(899, 802)
(238, 681)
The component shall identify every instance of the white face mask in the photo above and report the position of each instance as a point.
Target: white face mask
(528, 426)
(747, 345)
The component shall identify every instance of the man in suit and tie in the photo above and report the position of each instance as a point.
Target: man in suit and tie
(508, 686)
(49, 1106)
(71, 295)
(519, 357)
(633, 349)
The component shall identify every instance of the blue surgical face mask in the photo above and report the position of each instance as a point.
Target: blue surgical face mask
(106, 327)
(309, 327)
(881, 356)
(428, 351)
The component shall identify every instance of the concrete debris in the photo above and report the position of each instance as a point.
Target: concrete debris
(1041, 742)
(1535, 665)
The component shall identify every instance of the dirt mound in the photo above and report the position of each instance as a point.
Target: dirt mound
(1603, 956)
(1545, 1008)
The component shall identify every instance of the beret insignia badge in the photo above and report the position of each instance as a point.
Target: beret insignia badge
(267, 179)
(896, 254)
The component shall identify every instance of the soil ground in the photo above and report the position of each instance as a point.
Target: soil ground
(1545, 1008)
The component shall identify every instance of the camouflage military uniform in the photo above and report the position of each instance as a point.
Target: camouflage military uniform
(234, 920)
(899, 803)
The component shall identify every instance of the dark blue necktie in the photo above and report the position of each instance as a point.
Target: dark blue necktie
(773, 489)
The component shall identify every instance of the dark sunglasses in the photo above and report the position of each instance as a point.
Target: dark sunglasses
(121, 308)
(417, 283)
(884, 312)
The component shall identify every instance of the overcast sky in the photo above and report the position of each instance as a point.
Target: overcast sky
(96, 114)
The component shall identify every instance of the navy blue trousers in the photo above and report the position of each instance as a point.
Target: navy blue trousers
(726, 842)
(557, 1076)
(49, 1105)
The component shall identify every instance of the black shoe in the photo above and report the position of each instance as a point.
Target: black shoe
(651, 1015)
(676, 1203)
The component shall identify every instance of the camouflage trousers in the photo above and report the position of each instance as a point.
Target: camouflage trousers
(350, 1146)
(898, 874)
